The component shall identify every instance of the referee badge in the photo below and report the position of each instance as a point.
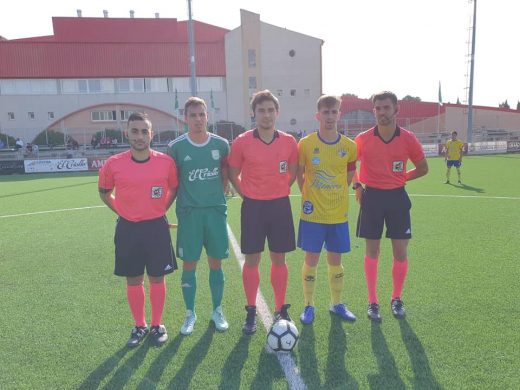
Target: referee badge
(283, 167)
(157, 192)
(215, 154)
(398, 166)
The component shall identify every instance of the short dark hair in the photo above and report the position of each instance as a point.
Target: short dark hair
(138, 116)
(262, 96)
(454, 132)
(194, 101)
(384, 95)
(328, 101)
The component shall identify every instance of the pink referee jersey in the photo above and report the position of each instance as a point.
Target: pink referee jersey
(264, 167)
(383, 164)
(142, 189)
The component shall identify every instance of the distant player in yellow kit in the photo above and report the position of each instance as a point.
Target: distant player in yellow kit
(326, 165)
(453, 156)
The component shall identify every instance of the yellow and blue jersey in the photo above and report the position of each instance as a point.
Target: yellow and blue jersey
(325, 188)
(454, 149)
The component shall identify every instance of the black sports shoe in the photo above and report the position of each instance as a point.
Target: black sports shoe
(249, 326)
(283, 314)
(373, 312)
(398, 308)
(159, 335)
(137, 335)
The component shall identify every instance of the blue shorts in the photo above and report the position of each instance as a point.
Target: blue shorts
(312, 236)
(453, 163)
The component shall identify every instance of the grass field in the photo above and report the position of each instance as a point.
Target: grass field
(65, 318)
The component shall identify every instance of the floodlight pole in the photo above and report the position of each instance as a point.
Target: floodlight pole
(193, 71)
(472, 67)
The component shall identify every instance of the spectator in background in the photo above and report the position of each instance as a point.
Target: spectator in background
(36, 151)
(18, 144)
(2, 144)
(94, 142)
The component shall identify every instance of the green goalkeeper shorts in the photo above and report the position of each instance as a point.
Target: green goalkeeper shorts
(202, 227)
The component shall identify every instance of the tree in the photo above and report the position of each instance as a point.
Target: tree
(411, 98)
(518, 106)
(458, 101)
(504, 105)
(349, 95)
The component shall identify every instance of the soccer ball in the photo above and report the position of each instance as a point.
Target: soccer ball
(283, 336)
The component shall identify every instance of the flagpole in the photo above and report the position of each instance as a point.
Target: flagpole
(439, 104)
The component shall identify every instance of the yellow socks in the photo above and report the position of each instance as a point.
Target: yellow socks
(309, 283)
(335, 273)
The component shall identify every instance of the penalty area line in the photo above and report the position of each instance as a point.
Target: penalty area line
(286, 361)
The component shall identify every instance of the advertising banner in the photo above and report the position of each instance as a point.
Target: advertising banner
(442, 149)
(431, 150)
(56, 165)
(95, 163)
(492, 147)
(513, 146)
(9, 167)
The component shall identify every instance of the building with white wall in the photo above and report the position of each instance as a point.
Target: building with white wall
(92, 72)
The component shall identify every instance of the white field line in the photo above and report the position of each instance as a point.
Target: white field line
(291, 370)
(51, 211)
(452, 196)
(351, 194)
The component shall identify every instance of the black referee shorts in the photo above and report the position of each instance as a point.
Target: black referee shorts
(143, 245)
(380, 207)
(271, 219)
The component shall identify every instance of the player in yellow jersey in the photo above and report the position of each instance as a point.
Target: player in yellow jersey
(453, 156)
(326, 165)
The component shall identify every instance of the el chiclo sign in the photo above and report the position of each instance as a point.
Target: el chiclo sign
(56, 165)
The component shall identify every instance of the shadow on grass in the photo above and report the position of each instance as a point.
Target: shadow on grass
(336, 375)
(197, 354)
(307, 356)
(125, 371)
(103, 370)
(268, 370)
(388, 376)
(154, 373)
(230, 374)
(468, 188)
(423, 376)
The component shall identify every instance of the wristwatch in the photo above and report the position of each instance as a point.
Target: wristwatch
(355, 186)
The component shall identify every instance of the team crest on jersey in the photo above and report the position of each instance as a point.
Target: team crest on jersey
(215, 154)
(283, 167)
(157, 192)
(398, 166)
(315, 160)
(342, 152)
(316, 150)
(307, 207)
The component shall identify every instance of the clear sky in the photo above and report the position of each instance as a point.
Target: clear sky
(406, 46)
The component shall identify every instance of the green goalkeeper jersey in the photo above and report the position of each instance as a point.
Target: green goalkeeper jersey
(199, 168)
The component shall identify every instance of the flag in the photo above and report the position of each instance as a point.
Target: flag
(176, 100)
(440, 95)
(212, 103)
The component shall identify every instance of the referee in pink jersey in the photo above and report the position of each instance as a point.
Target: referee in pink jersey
(384, 151)
(139, 185)
(262, 167)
